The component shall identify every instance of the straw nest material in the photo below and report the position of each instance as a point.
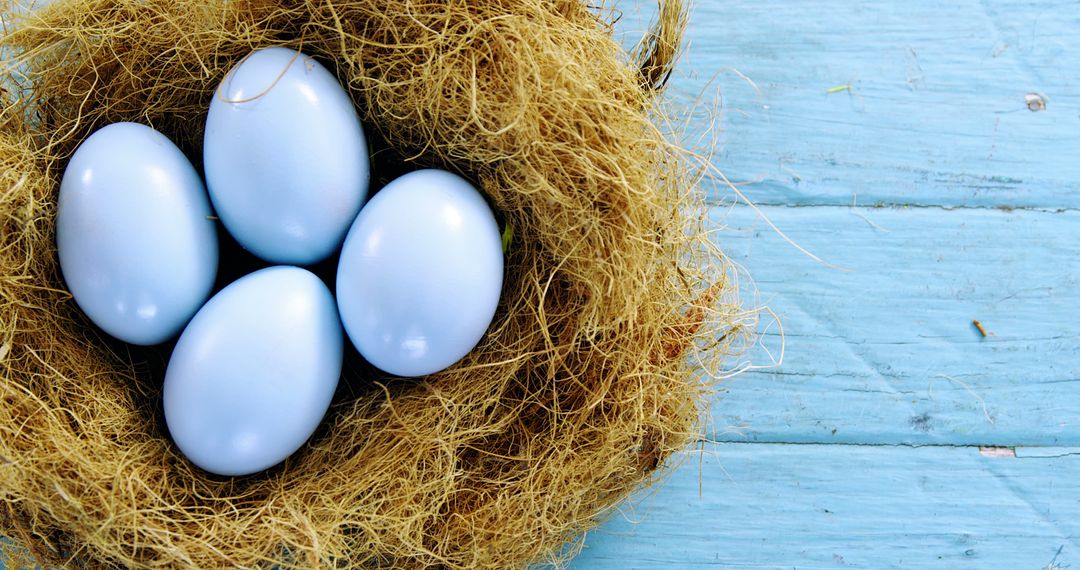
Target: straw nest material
(589, 379)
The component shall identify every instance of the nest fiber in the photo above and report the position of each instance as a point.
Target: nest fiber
(615, 301)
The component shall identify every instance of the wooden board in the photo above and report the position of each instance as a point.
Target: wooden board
(778, 507)
(963, 118)
(886, 352)
(894, 102)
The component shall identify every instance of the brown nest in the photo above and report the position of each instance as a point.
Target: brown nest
(588, 380)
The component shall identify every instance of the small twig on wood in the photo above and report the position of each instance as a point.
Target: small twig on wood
(980, 328)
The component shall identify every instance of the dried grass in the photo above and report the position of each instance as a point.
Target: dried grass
(589, 378)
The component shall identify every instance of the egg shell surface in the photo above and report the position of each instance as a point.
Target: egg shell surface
(420, 273)
(254, 372)
(137, 245)
(285, 156)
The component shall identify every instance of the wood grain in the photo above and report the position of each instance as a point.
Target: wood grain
(963, 119)
(890, 102)
(778, 507)
(886, 352)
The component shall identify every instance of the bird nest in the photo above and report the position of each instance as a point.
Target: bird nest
(617, 305)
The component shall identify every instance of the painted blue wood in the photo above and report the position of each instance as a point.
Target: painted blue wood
(886, 352)
(896, 102)
(923, 105)
(779, 507)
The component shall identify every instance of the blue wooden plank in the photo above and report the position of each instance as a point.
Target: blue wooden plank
(886, 352)
(780, 507)
(896, 102)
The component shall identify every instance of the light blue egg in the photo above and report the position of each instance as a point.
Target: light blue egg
(420, 273)
(137, 244)
(285, 156)
(253, 373)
